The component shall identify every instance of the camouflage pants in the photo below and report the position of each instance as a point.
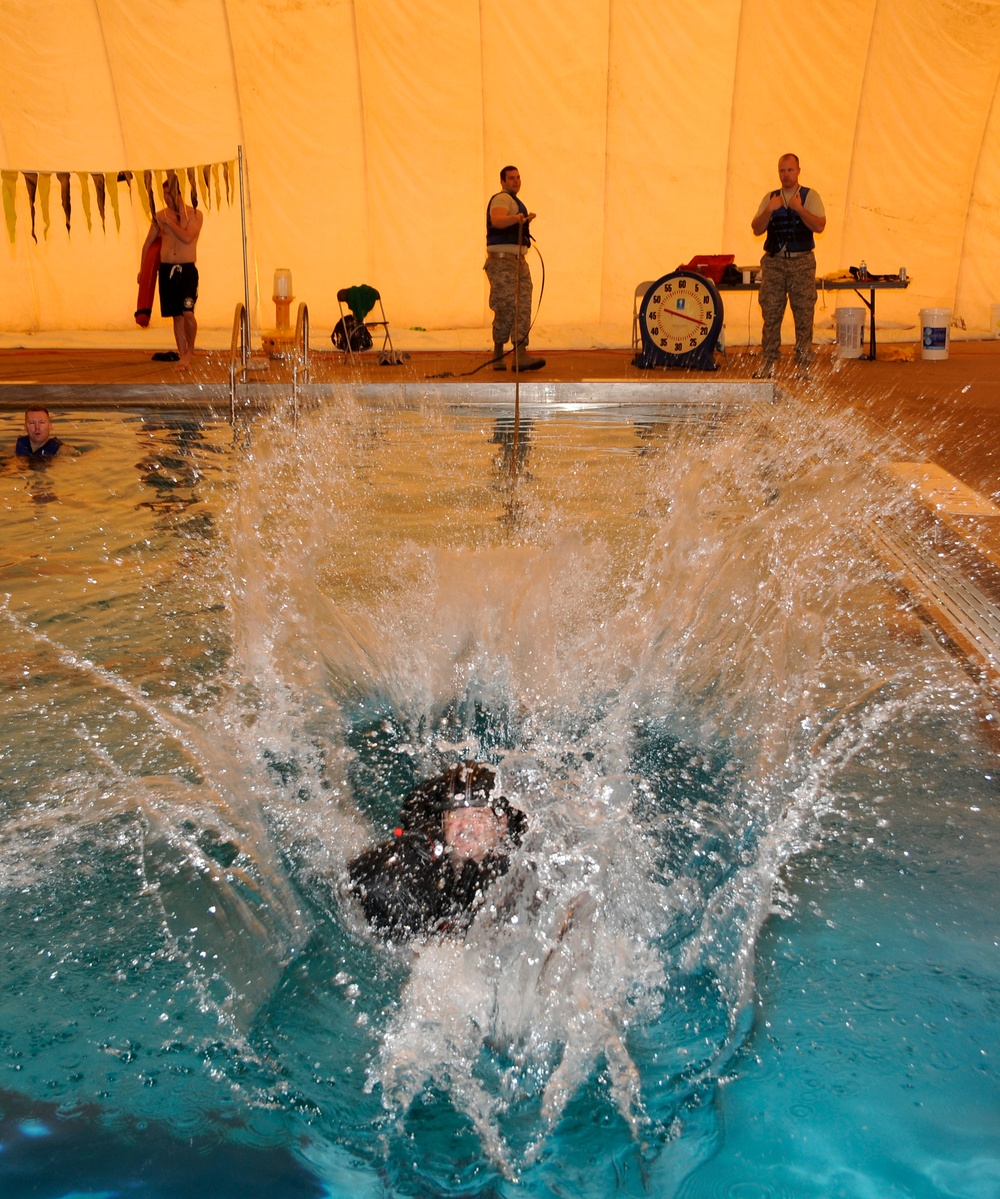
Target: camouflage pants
(794, 280)
(506, 282)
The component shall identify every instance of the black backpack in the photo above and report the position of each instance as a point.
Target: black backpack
(348, 330)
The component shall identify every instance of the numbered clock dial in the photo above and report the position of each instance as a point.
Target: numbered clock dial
(680, 319)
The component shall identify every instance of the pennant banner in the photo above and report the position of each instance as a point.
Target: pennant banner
(105, 184)
(9, 211)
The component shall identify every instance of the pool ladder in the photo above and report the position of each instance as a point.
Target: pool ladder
(239, 355)
(239, 348)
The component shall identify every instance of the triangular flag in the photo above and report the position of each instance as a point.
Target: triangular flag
(145, 194)
(44, 195)
(9, 179)
(111, 188)
(67, 203)
(85, 197)
(206, 188)
(31, 183)
(99, 193)
(226, 167)
(218, 192)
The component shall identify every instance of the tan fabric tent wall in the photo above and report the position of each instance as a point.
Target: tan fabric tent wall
(373, 131)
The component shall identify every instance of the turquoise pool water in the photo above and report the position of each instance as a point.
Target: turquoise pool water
(749, 947)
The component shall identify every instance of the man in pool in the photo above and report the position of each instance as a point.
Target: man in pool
(453, 840)
(38, 440)
(178, 225)
(508, 239)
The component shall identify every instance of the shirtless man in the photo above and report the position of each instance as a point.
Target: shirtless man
(178, 226)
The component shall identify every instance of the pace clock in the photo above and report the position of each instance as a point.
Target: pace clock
(680, 320)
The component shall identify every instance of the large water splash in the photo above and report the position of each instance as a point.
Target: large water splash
(668, 656)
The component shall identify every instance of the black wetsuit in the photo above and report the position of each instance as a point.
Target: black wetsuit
(409, 886)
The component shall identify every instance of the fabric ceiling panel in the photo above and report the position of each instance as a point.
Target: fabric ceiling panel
(59, 112)
(173, 76)
(979, 276)
(668, 135)
(917, 146)
(422, 110)
(788, 99)
(57, 103)
(545, 97)
(307, 188)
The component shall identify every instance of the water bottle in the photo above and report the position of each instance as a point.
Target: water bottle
(863, 270)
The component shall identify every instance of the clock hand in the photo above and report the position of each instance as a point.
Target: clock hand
(684, 316)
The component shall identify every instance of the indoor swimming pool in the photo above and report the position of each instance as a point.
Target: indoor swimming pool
(749, 945)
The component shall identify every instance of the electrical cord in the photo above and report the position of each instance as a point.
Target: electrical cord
(490, 361)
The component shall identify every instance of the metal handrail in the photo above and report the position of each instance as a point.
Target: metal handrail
(300, 345)
(240, 345)
(301, 341)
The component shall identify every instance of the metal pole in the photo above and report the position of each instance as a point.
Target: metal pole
(246, 267)
(516, 357)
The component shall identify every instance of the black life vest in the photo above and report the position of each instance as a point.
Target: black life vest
(509, 235)
(786, 230)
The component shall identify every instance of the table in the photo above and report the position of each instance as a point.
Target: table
(855, 285)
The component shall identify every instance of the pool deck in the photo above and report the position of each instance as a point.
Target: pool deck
(945, 413)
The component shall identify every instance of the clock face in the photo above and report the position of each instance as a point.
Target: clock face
(680, 313)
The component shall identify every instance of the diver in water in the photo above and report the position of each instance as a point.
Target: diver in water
(453, 840)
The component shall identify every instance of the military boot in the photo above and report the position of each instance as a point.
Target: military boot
(498, 362)
(523, 361)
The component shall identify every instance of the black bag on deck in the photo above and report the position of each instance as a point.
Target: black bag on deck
(347, 329)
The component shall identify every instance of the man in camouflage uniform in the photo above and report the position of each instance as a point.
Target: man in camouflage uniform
(790, 216)
(507, 241)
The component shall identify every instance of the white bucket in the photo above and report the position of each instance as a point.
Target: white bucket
(995, 320)
(850, 331)
(935, 332)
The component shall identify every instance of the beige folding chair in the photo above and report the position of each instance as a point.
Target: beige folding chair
(640, 292)
(386, 354)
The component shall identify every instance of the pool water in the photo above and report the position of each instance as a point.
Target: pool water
(749, 946)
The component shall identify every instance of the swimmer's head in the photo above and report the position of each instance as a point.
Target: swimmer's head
(475, 816)
(38, 426)
(473, 833)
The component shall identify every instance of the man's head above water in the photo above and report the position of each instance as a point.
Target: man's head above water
(38, 426)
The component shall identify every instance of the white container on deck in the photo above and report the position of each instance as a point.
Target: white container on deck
(850, 331)
(935, 333)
